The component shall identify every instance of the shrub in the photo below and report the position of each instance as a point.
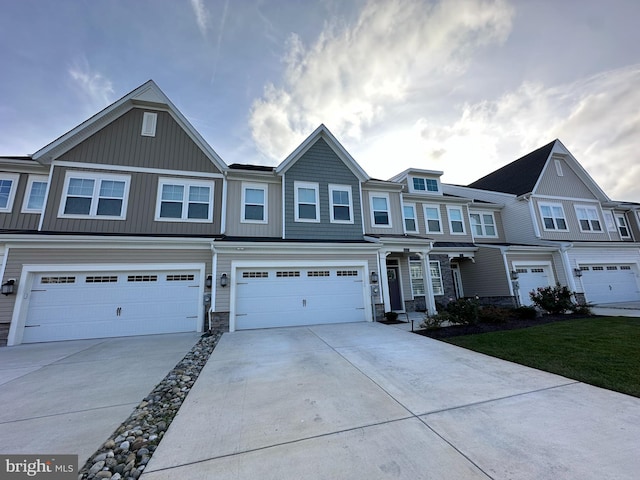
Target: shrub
(463, 311)
(553, 300)
(431, 322)
(525, 313)
(584, 309)
(493, 314)
(391, 316)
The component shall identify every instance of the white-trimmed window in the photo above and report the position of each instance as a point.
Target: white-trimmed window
(436, 278)
(184, 200)
(380, 213)
(623, 228)
(425, 184)
(432, 218)
(307, 202)
(553, 217)
(588, 218)
(254, 202)
(410, 219)
(94, 195)
(417, 277)
(8, 187)
(340, 204)
(35, 194)
(456, 221)
(483, 224)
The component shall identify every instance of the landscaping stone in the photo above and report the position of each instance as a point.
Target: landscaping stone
(125, 453)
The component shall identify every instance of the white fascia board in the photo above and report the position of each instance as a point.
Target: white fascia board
(383, 185)
(291, 247)
(87, 241)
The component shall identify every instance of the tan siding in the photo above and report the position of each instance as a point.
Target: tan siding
(446, 235)
(395, 213)
(518, 223)
(120, 143)
(234, 212)
(571, 217)
(568, 185)
(140, 210)
(17, 220)
(486, 277)
(499, 227)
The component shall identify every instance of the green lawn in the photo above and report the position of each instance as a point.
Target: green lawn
(601, 351)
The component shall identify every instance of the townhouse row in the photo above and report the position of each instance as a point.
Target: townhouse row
(131, 224)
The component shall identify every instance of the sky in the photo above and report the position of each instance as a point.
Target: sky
(462, 86)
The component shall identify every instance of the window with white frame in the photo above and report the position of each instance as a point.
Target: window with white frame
(307, 202)
(184, 200)
(623, 228)
(340, 204)
(410, 220)
(254, 203)
(8, 187)
(380, 215)
(483, 224)
(432, 218)
(35, 193)
(425, 184)
(588, 218)
(436, 278)
(553, 217)
(456, 220)
(94, 195)
(417, 277)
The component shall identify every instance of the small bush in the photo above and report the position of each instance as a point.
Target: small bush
(553, 300)
(582, 309)
(463, 311)
(494, 314)
(525, 313)
(432, 322)
(390, 316)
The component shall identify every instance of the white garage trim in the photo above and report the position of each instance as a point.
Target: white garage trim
(546, 265)
(236, 265)
(29, 272)
(621, 279)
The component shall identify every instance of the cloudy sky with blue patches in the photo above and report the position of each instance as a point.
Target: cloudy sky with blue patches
(463, 86)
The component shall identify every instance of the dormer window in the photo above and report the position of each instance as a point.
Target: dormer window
(425, 184)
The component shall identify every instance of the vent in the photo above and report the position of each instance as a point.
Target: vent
(46, 280)
(559, 168)
(149, 122)
(142, 278)
(180, 278)
(102, 279)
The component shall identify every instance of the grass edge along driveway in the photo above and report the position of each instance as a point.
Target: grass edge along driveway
(600, 351)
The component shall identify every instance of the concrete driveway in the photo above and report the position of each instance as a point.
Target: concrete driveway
(368, 401)
(68, 397)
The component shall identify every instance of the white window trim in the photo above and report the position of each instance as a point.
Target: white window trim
(464, 227)
(340, 188)
(419, 262)
(482, 224)
(426, 220)
(254, 186)
(626, 225)
(27, 194)
(313, 186)
(149, 123)
(437, 263)
(373, 217)
(15, 178)
(186, 183)
(415, 217)
(426, 191)
(587, 208)
(97, 177)
(564, 217)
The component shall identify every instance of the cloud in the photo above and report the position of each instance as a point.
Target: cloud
(96, 89)
(353, 75)
(202, 15)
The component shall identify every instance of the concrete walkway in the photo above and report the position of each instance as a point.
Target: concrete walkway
(68, 397)
(368, 401)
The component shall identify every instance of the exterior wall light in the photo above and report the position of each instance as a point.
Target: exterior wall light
(8, 287)
(224, 280)
(374, 277)
(514, 275)
(208, 282)
(577, 272)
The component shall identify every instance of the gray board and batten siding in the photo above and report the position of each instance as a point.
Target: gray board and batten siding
(486, 276)
(234, 224)
(16, 220)
(321, 165)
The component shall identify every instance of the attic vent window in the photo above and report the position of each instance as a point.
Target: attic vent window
(558, 164)
(149, 122)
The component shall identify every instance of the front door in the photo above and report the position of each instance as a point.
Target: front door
(394, 288)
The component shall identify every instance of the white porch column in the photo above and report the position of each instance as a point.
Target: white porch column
(384, 280)
(428, 284)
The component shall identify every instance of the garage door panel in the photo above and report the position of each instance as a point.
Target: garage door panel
(529, 279)
(610, 283)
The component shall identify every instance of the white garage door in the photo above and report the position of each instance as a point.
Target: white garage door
(281, 297)
(530, 278)
(610, 283)
(75, 305)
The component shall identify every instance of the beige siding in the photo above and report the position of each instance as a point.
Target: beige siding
(235, 227)
(120, 143)
(499, 227)
(571, 217)
(395, 213)
(72, 256)
(518, 224)
(486, 277)
(568, 185)
(141, 210)
(446, 235)
(17, 220)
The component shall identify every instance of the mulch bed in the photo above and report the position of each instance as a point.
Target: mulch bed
(510, 324)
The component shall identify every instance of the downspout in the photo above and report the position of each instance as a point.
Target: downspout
(532, 214)
(507, 272)
(214, 281)
(567, 266)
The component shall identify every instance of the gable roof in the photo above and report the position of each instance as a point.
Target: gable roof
(518, 177)
(146, 95)
(323, 132)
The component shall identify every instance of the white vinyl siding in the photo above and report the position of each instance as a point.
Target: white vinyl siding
(588, 219)
(35, 194)
(307, 202)
(380, 210)
(456, 221)
(181, 200)
(254, 203)
(340, 204)
(483, 224)
(8, 187)
(410, 218)
(91, 195)
(553, 217)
